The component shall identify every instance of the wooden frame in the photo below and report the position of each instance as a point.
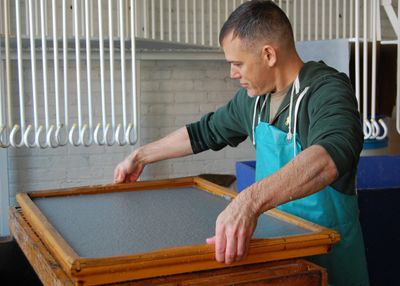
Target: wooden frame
(274, 273)
(91, 271)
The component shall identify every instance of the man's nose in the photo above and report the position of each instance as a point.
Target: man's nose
(234, 73)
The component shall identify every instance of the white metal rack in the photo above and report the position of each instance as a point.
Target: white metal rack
(46, 45)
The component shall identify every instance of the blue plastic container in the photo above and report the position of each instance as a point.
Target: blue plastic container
(245, 174)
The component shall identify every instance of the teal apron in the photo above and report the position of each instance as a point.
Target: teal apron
(346, 263)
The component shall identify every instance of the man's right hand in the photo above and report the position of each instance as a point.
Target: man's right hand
(128, 170)
(174, 145)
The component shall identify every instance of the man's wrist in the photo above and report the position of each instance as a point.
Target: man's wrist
(250, 200)
(138, 156)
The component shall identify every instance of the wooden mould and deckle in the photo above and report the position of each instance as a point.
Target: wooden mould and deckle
(125, 232)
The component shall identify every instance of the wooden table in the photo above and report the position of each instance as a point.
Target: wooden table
(125, 234)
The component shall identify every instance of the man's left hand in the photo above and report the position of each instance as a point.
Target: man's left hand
(233, 231)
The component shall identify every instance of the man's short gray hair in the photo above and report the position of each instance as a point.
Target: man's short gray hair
(259, 21)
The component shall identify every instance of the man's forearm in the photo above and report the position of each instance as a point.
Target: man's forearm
(307, 173)
(175, 144)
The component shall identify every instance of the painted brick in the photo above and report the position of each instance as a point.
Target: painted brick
(151, 133)
(182, 120)
(207, 107)
(156, 121)
(217, 74)
(185, 74)
(192, 96)
(243, 150)
(182, 85)
(147, 85)
(157, 97)
(177, 108)
(208, 155)
(174, 93)
(220, 96)
(205, 85)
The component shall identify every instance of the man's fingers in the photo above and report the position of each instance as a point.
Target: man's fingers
(132, 178)
(118, 177)
(211, 240)
(135, 173)
(241, 246)
(231, 247)
(220, 245)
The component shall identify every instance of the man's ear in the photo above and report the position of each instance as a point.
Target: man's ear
(269, 55)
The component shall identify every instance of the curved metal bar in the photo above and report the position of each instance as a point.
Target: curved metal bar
(20, 80)
(367, 125)
(13, 133)
(134, 89)
(33, 65)
(3, 128)
(127, 132)
(71, 135)
(84, 131)
(367, 128)
(28, 132)
(112, 75)
(107, 136)
(57, 135)
(131, 140)
(118, 135)
(344, 27)
(96, 134)
(375, 129)
(88, 74)
(357, 54)
(51, 135)
(102, 81)
(39, 132)
(3, 135)
(374, 124)
(385, 129)
(123, 68)
(44, 64)
(65, 67)
(78, 72)
(56, 70)
(8, 64)
(323, 19)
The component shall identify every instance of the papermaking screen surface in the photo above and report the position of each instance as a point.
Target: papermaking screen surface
(123, 223)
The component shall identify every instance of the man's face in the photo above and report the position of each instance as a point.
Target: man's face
(248, 66)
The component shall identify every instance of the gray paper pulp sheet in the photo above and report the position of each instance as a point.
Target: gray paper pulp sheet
(126, 223)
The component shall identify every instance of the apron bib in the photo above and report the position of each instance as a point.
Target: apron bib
(346, 262)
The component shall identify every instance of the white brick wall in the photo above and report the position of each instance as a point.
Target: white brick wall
(186, 90)
(173, 93)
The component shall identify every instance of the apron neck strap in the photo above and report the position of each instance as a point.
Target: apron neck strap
(259, 115)
(295, 90)
(254, 118)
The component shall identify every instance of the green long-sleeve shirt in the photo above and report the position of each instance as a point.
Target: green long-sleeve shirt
(328, 116)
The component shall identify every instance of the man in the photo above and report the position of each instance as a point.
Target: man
(304, 123)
